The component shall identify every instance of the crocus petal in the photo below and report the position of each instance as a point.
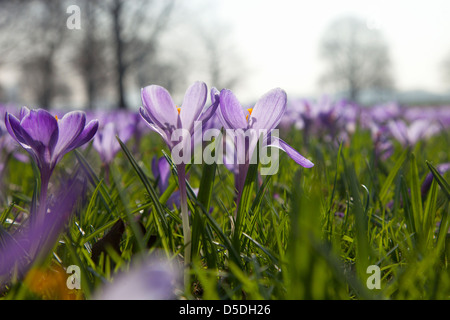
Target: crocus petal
(70, 127)
(193, 103)
(43, 128)
(23, 112)
(215, 97)
(144, 114)
(85, 136)
(269, 110)
(105, 142)
(160, 107)
(19, 135)
(231, 114)
(208, 113)
(230, 157)
(15, 130)
(291, 152)
(214, 94)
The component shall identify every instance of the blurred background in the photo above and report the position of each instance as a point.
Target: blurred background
(89, 54)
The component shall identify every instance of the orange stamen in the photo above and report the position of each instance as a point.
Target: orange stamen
(179, 110)
(56, 117)
(250, 110)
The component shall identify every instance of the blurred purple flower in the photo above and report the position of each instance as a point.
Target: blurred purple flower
(325, 118)
(383, 113)
(441, 168)
(410, 134)
(161, 172)
(20, 248)
(339, 214)
(426, 184)
(152, 278)
(383, 146)
(122, 124)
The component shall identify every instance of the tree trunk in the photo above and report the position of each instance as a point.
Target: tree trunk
(46, 95)
(116, 13)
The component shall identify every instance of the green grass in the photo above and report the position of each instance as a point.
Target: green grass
(287, 242)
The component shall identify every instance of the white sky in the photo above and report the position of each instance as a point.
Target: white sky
(279, 40)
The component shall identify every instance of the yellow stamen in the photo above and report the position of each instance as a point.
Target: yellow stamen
(250, 110)
(179, 110)
(56, 117)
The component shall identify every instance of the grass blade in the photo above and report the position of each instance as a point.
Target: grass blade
(440, 180)
(162, 223)
(416, 198)
(390, 178)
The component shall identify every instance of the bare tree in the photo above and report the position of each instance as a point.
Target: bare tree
(207, 41)
(136, 28)
(121, 46)
(46, 37)
(90, 53)
(357, 57)
(13, 35)
(15, 44)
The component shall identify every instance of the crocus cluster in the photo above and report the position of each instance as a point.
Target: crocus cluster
(389, 123)
(178, 126)
(243, 130)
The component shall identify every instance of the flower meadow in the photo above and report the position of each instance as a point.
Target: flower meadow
(118, 205)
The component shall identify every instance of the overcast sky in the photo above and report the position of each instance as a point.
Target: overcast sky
(279, 40)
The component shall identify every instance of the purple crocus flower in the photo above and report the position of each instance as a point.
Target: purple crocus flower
(263, 118)
(381, 114)
(161, 172)
(324, 118)
(165, 118)
(47, 139)
(152, 278)
(410, 134)
(112, 124)
(105, 142)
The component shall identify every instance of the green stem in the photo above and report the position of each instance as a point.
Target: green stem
(181, 169)
(42, 204)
